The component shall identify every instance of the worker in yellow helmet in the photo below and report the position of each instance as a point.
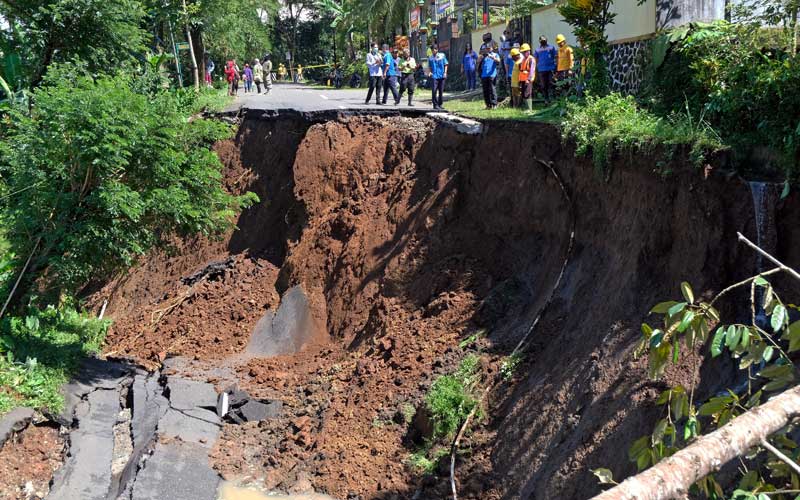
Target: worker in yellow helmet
(527, 74)
(566, 59)
(516, 57)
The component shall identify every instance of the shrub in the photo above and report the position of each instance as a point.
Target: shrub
(103, 174)
(601, 125)
(744, 83)
(450, 399)
(40, 351)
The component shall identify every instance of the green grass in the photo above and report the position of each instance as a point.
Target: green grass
(40, 352)
(425, 461)
(476, 109)
(451, 398)
(602, 125)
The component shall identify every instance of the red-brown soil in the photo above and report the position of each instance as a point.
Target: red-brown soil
(27, 462)
(408, 237)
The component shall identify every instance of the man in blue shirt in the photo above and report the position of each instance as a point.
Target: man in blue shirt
(468, 67)
(437, 63)
(545, 56)
(390, 74)
(488, 64)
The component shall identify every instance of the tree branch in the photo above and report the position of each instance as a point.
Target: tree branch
(775, 261)
(672, 477)
(783, 458)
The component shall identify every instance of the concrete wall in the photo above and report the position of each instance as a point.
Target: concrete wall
(496, 30)
(670, 13)
(632, 21)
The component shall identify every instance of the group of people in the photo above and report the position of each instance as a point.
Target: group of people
(259, 73)
(388, 68)
(522, 67)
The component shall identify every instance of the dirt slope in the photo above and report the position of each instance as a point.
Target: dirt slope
(408, 237)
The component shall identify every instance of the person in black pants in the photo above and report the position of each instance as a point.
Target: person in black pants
(375, 67)
(390, 74)
(438, 68)
(488, 64)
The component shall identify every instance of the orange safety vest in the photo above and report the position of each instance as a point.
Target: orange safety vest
(525, 69)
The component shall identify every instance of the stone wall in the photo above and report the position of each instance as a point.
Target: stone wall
(627, 64)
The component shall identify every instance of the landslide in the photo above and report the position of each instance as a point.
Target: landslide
(408, 237)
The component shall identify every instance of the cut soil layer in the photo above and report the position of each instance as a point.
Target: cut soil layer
(27, 462)
(407, 237)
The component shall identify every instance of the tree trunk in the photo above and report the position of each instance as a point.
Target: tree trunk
(192, 57)
(672, 477)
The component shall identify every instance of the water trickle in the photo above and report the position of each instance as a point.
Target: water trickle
(765, 196)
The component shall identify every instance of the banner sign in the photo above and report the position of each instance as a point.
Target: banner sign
(413, 19)
(443, 8)
(454, 29)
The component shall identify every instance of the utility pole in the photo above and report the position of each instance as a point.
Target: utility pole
(195, 72)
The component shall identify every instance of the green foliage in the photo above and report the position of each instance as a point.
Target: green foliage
(424, 461)
(39, 352)
(510, 364)
(589, 19)
(744, 88)
(604, 125)
(450, 398)
(100, 33)
(765, 355)
(116, 172)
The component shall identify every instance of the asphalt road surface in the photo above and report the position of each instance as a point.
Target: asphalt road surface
(306, 98)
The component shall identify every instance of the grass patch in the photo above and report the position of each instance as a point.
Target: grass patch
(40, 352)
(602, 125)
(451, 398)
(425, 461)
(476, 109)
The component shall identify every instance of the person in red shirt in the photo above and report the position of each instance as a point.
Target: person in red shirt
(230, 74)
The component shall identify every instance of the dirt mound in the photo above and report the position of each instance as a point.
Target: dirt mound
(27, 462)
(408, 237)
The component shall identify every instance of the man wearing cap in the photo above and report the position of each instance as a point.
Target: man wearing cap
(527, 72)
(437, 62)
(566, 59)
(488, 64)
(509, 63)
(515, 95)
(545, 56)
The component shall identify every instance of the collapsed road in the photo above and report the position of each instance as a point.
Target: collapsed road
(387, 248)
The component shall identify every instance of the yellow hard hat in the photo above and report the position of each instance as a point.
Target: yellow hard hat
(525, 48)
(514, 52)
(560, 38)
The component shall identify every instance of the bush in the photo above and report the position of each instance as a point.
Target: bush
(450, 399)
(103, 173)
(602, 125)
(39, 352)
(742, 81)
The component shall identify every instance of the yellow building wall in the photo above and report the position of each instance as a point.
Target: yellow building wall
(632, 21)
(496, 30)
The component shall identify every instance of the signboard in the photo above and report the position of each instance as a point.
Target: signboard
(443, 8)
(413, 19)
(454, 29)
(182, 45)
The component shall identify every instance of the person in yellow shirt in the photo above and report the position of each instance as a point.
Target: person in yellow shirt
(566, 59)
(516, 100)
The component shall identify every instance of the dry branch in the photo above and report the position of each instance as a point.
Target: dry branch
(672, 477)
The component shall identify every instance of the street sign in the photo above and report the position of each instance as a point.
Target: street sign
(182, 45)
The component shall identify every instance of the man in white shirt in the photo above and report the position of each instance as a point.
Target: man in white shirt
(375, 65)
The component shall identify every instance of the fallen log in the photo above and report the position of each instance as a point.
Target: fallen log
(672, 477)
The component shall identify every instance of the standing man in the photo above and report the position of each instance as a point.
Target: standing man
(488, 64)
(209, 71)
(545, 57)
(566, 59)
(267, 74)
(390, 75)
(468, 64)
(258, 75)
(375, 67)
(527, 72)
(509, 64)
(515, 91)
(407, 67)
(438, 73)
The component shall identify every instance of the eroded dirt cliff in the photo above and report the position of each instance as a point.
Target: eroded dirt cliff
(408, 237)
